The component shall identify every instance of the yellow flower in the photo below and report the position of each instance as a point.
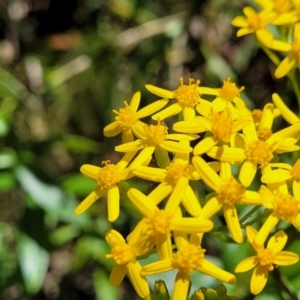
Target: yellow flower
(284, 207)
(128, 116)
(293, 59)
(125, 254)
(151, 137)
(187, 97)
(252, 151)
(255, 23)
(169, 179)
(265, 259)
(108, 179)
(189, 258)
(229, 192)
(226, 96)
(220, 124)
(158, 224)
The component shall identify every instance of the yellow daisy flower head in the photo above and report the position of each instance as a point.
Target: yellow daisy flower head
(187, 97)
(254, 22)
(265, 259)
(108, 178)
(189, 258)
(128, 116)
(125, 256)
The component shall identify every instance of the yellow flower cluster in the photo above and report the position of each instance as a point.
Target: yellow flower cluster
(284, 15)
(240, 145)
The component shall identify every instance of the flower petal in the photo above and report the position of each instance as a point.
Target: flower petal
(277, 241)
(247, 173)
(246, 265)
(160, 193)
(159, 91)
(259, 279)
(276, 176)
(112, 129)
(113, 238)
(113, 203)
(117, 274)
(148, 173)
(164, 246)
(210, 208)
(152, 108)
(181, 286)
(285, 66)
(191, 225)
(142, 157)
(205, 145)
(175, 147)
(157, 267)
(188, 113)
(135, 101)
(188, 127)
(131, 146)
(227, 154)
(190, 202)
(171, 110)
(233, 224)
(264, 231)
(286, 258)
(90, 171)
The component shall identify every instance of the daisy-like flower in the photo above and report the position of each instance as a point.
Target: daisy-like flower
(189, 258)
(265, 259)
(128, 116)
(158, 224)
(229, 192)
(255, 22)
(284, 9)
(226, 96)
(125, 254)
(169, 179)
(220, 124)
(108, 179)
(151, 137)
(293, 59)
(284, 207)
(187, 97)
(254, 152)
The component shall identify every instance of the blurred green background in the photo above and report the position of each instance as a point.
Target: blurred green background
(64, 66)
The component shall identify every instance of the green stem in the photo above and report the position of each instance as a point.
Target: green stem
(249, 214)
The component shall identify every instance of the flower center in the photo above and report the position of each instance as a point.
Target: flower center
(121, 253)
(264, 133)
(175, 171)
(125, 116)
(222, 125)
(187, 95)
(259, 152)
(158, 223)
(255, 22)
(295, 172)
(256, 115)
(266, 258)
(296, 50)
(109, 175)
(231, 192)
(229, 90)
(188, 259)
(286, 207)
(282, 6)
(156, 134)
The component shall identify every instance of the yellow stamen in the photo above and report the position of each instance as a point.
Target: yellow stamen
(295, 172)
(266, 258)
(125, 116)
(286, 207)
(188, 259)
(259, 152)
(175, 171)
(256, 115)
(187, 95)
(255, 22)
(158, 223)
(229, 90)
(264, 133)
(121, 253)
(231, 192)
(156, 134)
(109, 175)
(222, 125)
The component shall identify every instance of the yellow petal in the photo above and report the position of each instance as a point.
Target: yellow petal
(191, 225)
(227, 154)
(296, 222)
(264, 231)
(246, 265)
(249, 11)
(188, 127)
(281, 46)
(113, 238)
(188, 113)
(141, 202)
(181, 286)
(259, 279)
(285, 66)
(205, 145)
(247, 173)
(117, 274)
(112, 129)
(204, 108)
(159, 91)
(210, 269)
(175, 147)
(286, 113)
(239, 21)
(142, 157)
(152, 108)
(113, 203)
(157, 267)
(267, 117)
(233, 223)
(225, 171)
(164, 246)
(127, 136)
(265, 37)
(135, 101)
(210, 208)
(181, 136)
(209, 176)
(88, 201)
(138, 281)
(129, 147)
(207, 90)
(172, 110)
(90, 171)
(251, 235)
(286, 258)
(276, 176)
(148, 173)
(190, 202)
(244, 31)
(296, 189)
(125, 160)
(277, 241)
(266, 196)
(251, 198)
(160, 193)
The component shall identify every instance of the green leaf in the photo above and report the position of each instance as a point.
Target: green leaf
(64, 234)
(79, 185)
(104, 290)
(7, 181)
(34, 262)
(77, 143)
